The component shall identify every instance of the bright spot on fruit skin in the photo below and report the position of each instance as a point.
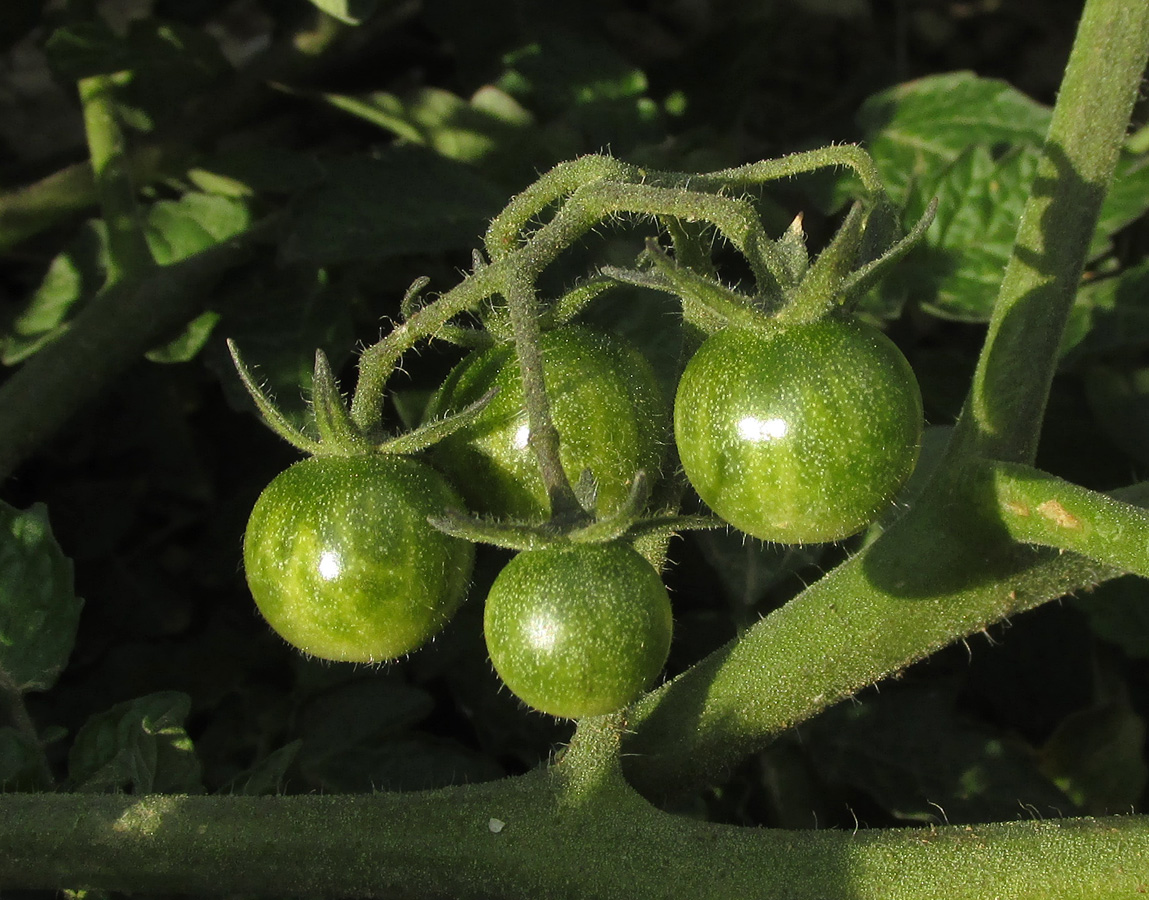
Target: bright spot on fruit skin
(522, 436)
(542, 632)
(751, 428)
(330, 565)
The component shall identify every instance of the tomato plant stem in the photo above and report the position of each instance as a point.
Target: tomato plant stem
(1037, 508)
(1003, 414)
(544, 438)
(517, 838)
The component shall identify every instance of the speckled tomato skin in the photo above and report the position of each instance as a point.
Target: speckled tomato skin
(605, 401)
(343, 564)
(801, 435)
(580, 631)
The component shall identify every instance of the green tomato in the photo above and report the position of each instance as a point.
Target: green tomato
(798, 435)
(605, 403)
(578, 631)
(343, 563)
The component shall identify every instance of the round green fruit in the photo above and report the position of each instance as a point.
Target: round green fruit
(605, 403)
(580, 631)
(802, 434)
(343, 563)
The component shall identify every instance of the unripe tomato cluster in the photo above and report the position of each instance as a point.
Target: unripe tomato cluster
(798, 434)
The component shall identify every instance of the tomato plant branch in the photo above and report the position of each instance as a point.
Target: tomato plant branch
(844, 156)
(543, 437)
(380, 359)
(517, 839)
(1002, 416)
(934, 577)
(1037, 508)
(505, 233)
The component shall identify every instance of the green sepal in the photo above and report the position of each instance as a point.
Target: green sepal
(575, 301)
(430, 433)
(792, 246)
(819, 291)
(690, 248)
(497, 532)
(338, 434)
(515, 535)
(614, 526)
(275, 420)
(883, 230)
(706, 303)
(459, 335)
(668, 526)
(868, 275)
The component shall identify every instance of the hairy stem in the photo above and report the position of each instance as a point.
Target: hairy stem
(544, 438)
(518, 839)
(380, 359)
(1002, 416)
(845, 156)
(1037, 508)
(939, 574)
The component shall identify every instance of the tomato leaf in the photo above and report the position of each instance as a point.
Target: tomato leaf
(916, 130)
(174, 229)
(491, 130)
(1127, 200)
(1109, 314)
(980, 199)
(139, 746)
(39, 611)
(177, 229)
(1118, 611)
(72, 278)
(1096, 757)
(268, 775)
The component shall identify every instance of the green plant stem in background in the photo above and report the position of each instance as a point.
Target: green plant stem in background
(120, 324)
(519, 839)
(1002, 417)
(30, 209)
(128, 252)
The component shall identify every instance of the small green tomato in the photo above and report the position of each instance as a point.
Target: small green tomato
(802, 434)
(343, 563)
(578, 631)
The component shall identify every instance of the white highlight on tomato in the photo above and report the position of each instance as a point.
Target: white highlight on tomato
(330, 565)
(543, 632)
(522, 436)
(751, 428)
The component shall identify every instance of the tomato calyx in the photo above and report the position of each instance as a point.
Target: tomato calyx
(336, 430)
(866, 244)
